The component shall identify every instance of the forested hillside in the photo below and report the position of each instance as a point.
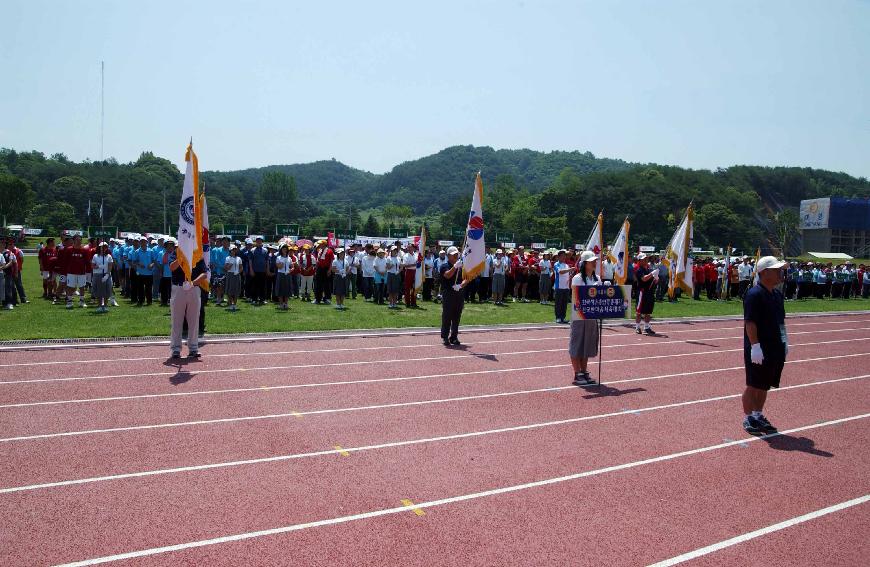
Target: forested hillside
(534, 195)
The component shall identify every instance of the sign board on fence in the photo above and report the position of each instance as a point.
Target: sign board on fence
(508, 245)
(291, 229)
(602, 301)
(539, 245)
(445, 243)
(398, 233)
(501, 236)
(73, 232)
(32, 231)
(554, 243)
(102, 231)
(345, 235)
(647, 248)
(457, 233)
(236, 230)
(579, 246)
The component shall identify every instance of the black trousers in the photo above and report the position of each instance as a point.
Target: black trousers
(258, 286)
(744, 285)
(165, 290)
(451, 312)
(563, 296)
(142, 289)
(322, 287)
(427, 289)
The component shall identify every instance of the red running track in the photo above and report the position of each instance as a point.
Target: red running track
(639, 514)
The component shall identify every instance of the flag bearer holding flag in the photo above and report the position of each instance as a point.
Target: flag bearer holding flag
(186, 264)
(471, 265)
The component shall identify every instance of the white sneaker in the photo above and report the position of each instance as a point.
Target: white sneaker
(113, 302)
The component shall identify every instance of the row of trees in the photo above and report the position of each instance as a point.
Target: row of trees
(742, 205)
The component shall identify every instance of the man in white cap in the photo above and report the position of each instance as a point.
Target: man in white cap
(452, 297)
(765, 343)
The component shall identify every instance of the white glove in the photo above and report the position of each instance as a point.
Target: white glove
(187, 285)
(105, 278)
(458, 264)
(756, 355)
(456, 287)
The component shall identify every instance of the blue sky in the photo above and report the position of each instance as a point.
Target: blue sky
(700, 84)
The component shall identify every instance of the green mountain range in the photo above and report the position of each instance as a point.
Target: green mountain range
(534, 195)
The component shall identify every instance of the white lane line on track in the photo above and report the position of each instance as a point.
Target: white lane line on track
(380, 380)
(561, 337)
(550, 389)
(391, 332)
(701, 551)
(468, 355)
(450, 500)
(393, 444)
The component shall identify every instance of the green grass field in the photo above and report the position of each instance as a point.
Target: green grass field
(41, 320)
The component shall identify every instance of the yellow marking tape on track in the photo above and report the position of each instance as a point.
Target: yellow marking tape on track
(418, 511)
(341, 451)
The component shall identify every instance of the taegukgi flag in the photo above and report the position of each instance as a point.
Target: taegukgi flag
(189, 249)
(619, 254)
(419, 276)
(474, 253)
(595, 242)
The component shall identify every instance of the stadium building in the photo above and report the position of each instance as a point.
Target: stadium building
(836, 224)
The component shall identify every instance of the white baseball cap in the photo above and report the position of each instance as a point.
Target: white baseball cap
(641, 256)
(452, 250)
(587, 256)
(768, 262)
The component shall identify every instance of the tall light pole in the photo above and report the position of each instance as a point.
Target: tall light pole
(102, 104)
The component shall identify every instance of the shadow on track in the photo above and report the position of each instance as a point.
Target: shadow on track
(605, 391)
(181, 376)
(800, 444)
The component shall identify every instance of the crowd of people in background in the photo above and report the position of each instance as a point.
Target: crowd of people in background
(256, 273)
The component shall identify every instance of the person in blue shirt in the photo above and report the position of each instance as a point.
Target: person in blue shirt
(765, 343)
(143, 263)
(247, 280)
(218, 258)
(257, 267)
(157, 273)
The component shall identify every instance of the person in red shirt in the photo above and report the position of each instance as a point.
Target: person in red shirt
(322, 282)
(711, 276)
(47, 261)
(77, 260)
(307, 266)
(699, 277)
(17, 284)
(519, 268)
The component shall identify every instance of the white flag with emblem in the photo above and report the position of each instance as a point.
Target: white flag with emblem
(189, 247)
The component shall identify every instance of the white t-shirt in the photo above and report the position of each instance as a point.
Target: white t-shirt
(101, 264)
(744, 272)
(353, 261)
(577, 281)
(368, 266)
(380, 265)
(499, 265)
(545, 267)
(233, 265)
(487, 266)
(340, 267)
(410, 260)
(393, 264)
(607, 270)
(283, 265)
(428, 266)
(562, 280)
